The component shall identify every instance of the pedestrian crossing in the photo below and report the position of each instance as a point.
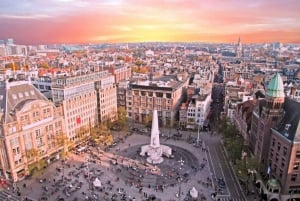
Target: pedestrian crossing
(228, 199)
(5, 195)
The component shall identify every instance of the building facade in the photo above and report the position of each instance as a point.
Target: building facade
(198, 110)
(29, 130)
(106, 99)
(86, 99)
(274, 140)
(165, 96)
(120, 72)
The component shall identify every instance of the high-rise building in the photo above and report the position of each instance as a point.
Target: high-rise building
(30, 126)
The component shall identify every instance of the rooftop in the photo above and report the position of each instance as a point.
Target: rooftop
(275, 87)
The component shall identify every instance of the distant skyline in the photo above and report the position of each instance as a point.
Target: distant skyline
(83, 21)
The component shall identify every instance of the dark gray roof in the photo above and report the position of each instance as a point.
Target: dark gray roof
(290, 122)
(15, 95)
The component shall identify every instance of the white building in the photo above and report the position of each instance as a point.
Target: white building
(198, 110)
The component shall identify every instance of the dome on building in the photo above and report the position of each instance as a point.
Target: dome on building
(275, 87)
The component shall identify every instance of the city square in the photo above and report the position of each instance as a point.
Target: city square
(172, 100)
(124, 175)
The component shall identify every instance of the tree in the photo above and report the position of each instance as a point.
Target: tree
(44, 65)
(120, 58)
(148, 120)
(135, 69)
(138, 63)
(33, 155)
(143, 70)
(63, 141)
(122, 119)
(82, 134)
(101, 135)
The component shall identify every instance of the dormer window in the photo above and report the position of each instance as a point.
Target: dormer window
(287, 126)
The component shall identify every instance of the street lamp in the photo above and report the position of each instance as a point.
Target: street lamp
(181, 163)
(88, 173)
(63, 170)
(89, 179)
(291, 195)
(198, 136)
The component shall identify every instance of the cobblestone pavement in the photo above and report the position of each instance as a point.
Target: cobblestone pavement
(123, 172)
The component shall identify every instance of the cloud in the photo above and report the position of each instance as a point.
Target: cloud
(115, 20)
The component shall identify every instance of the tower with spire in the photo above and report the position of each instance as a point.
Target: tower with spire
(267, 115)
(239, 48)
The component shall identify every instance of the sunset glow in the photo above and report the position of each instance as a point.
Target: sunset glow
(79, 21)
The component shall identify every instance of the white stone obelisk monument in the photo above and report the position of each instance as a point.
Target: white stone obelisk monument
(154, 131)
(155, 150)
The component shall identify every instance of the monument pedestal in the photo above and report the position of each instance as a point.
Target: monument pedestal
(155, 151)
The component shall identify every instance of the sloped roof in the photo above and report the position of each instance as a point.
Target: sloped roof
(16, 95)
(288, 127)
(275, 87)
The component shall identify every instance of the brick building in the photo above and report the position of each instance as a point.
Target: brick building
(275, 142)
(164, 94)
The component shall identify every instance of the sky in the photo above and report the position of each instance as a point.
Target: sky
(113, 21)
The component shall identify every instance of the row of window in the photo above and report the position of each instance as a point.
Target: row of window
(21, 95)
(278, 146)
(151, 94)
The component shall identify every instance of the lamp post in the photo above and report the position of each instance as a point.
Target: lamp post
(88, 173)
(90, 187)
(198, 136)
(63, 170)
(291, 195)
(181, 163)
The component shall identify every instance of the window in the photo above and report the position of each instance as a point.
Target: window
(298, 154)
(277, 155)
(20, 95)
(273, 142)
(275, 168)
(278, 146)
(284, 151)
(294, 177)
(159, 94)
(280, 173)
(35, 114)
(282, 162)
(296, 166)
(14, 142)
(16, 151)
(38, 133)
(27, 140)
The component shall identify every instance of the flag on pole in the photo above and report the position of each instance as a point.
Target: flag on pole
(269, 170)
(78, 120)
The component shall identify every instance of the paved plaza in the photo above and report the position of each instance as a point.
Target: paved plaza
(124, 175)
